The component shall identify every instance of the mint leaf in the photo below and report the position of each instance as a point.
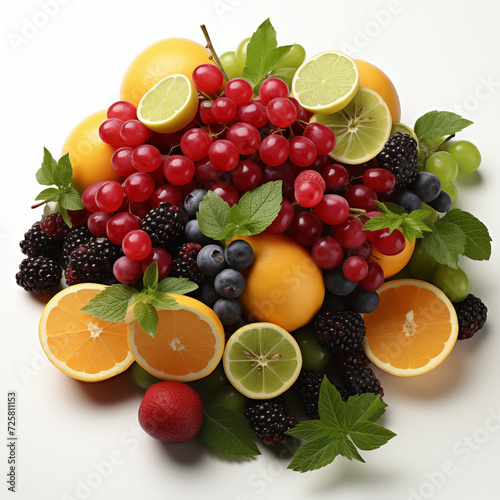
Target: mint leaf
(228, 432)
(342, 428)
(212, 215)
(70, 199)
(445, 243)
(180, 286)
(44, 174)
(150, 278)
(236, 224)
(64, 215)
(111, 304)
(147, 317)
(263, 54)
(261, 205)
(49, 194)
(439, 123)
(63, 173)
(477, 237)
(163, 301)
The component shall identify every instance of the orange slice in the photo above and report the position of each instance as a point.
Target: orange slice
(412, 330)
(188, 345)
(79, 345)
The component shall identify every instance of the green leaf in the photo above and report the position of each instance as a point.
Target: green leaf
(261, 205)
(63, 173)
(349, 451)
(263, 54)
(147, 317)
(150, 278)
(309, 430)
(111, 304)
(163, 301)
(420, 214)
(477, 237)
(212, 215)
(316, 454)
(370, 436)
(445, 243)
(367, 407)
(44, 174)
(228, 432)
(64, 215)
(49, 194)
(70, 199)
(180, 286)
(439, 123)
(236, 224)
(331, 408)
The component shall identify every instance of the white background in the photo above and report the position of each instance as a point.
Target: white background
(440, 55)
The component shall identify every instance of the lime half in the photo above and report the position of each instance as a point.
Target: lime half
(169, 106)
(326, 82)
(362, 128)
(262, 360)
(404, 129)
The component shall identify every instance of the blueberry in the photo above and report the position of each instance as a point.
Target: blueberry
(338, 284)
(229, 283)
(442, 203)
(192, 201)
(427, 186)
(239, 254)
(363, 301)
(208, 295)
(408, 200)
(193, 233)
(228, 310)
(210, 260)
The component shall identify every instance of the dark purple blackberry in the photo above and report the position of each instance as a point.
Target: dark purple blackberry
(270, 418)
(77, 236)
(53, 226)
(39, 275)
(348, 359)
(307, 389)
(92, 262)
(400, 156)
(164, 224)
(339, 331)
(358, 379)
(471, 313)
(37, 244)
(185, 264)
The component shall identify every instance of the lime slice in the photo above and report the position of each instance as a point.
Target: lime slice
(326, 83)
(262, 360)
(362, 128)
(169, 106)
(404, 129)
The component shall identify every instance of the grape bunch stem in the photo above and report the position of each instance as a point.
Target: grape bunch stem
(210, 47)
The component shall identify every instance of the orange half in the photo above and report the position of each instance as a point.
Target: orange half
(188, 345)
(79, 345)
(412, 330)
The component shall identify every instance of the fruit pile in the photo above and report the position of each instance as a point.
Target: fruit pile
(281, 217)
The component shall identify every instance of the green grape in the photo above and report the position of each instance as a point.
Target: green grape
(230, 397)
(451, 189)
(443, 165)
(143, 379)
(421, 265)
(294, 58)
(453, 282)
(433, 217)
(465, 153)
(241, 54)
(212, 382)
(228, 61)
(314, 357)
(285, 74)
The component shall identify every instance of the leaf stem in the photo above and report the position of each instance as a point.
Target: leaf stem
(210, 47)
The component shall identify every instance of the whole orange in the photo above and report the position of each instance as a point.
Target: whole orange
(89, 156)
(161, 59)
(371, 77)
(392, 264)
(283, 285)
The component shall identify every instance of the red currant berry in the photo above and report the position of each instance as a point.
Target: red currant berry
(306, 228)
(253, 113)
(246, 176)
(195, 143)
(224, 110)
(350, 233)
(389, 244)
(162, 258)
(284, 218)
(127, 271)
(206, 174)
(119, 225)
(206, 114)
(281, 112)
(284, 173)
(302, 151)
(109, 196)
(123, 110)
(136, 245)
(121, 161)
(361, 196)
(355, 268)
(239, 91)
(139, 187)
(380, 180)
(274, 150)
(327, 253)
(364, 251)
(134, 133)
(373, 279)
(146, 158)
(271, 88)
(223, 155)
(245, 137)
(97, 223)
(88, 196)
(310, 175)
(109, 132)
(207, 78)
(308, 193)
(332, 209)
(322, 136)
(335, 176)
(179, 170)
(227, 192)
(168, 193)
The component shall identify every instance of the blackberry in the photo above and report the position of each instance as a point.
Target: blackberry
(77, 236)
(164, 224)
(358, 379)
(307, 390)
(37, 244)
(270, 418)
(185, 264)
(400, 156)
(339, 331)
(471, 313)
(348, 359)
(53, 226)
(39, 275)
(92, 262)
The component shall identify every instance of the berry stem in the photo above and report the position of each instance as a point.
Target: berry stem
(359, 211)
(36, 205)
(210, 47)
